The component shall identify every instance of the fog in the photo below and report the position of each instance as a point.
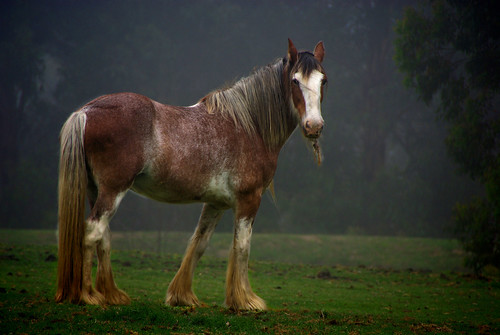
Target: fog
(385, 170)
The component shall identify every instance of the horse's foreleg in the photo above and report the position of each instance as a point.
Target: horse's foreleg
(239, 294)
(180, 291)
(105, 283)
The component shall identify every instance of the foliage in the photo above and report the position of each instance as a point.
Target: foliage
(303, 299)
(454, 53)
(478, 230)
(477, 225)
(451, 50)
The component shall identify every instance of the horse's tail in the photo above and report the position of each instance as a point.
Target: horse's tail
(72, 193)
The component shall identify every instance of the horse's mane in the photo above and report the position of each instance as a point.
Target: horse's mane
(258, 103)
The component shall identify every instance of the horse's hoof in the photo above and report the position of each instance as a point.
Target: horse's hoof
(177, 299)
(248, 303)
(93, 297)
(117, 297)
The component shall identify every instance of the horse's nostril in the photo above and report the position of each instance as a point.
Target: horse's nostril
(312, 128)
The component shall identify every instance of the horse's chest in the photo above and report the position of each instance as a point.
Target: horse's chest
(220, 189)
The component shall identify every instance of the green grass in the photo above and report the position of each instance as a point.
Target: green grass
(303, 298)
(397, 253)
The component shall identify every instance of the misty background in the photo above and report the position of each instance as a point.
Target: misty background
(385, 170)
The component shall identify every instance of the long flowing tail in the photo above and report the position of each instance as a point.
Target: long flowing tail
(72, 193)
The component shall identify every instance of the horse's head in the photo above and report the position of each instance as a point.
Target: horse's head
(306, 80)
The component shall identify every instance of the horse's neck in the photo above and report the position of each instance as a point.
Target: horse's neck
(276, 149)
(292, 123)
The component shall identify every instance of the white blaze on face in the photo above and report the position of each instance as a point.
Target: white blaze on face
(311, 91)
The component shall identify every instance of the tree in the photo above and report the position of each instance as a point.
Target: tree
(21, 68)
(450, 53)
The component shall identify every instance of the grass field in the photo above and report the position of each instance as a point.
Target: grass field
(399, 293)
(397, 253)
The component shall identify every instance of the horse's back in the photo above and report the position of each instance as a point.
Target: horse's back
(119, 129)
(120, 111)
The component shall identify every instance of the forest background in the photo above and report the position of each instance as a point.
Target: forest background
(386, 169)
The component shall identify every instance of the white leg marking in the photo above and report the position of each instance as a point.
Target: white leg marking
(243, 237)
(95, 229)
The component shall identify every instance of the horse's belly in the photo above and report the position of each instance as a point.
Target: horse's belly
(162, 195)
(216, 190)
(150, 188)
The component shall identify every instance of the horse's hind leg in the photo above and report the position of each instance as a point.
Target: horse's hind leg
(179, 291)
(93, 233)
(105, 283)
(97, 237)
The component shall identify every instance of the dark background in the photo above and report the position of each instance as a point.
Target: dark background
(386, 170)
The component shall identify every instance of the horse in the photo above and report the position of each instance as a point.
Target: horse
(222, 151)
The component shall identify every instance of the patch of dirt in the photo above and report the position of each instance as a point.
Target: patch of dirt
(9, 257)
(430, 328)
(324, 274)
(311, 238)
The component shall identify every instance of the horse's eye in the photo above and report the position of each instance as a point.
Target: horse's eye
(295, 81)
(323, 82)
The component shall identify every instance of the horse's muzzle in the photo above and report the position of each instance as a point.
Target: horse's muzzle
(313, 129)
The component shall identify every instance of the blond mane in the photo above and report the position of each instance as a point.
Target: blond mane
(258, 103)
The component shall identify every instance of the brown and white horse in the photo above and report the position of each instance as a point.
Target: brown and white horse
(222, 151)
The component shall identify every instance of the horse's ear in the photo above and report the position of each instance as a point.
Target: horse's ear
(292, 52)
(319, 51)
